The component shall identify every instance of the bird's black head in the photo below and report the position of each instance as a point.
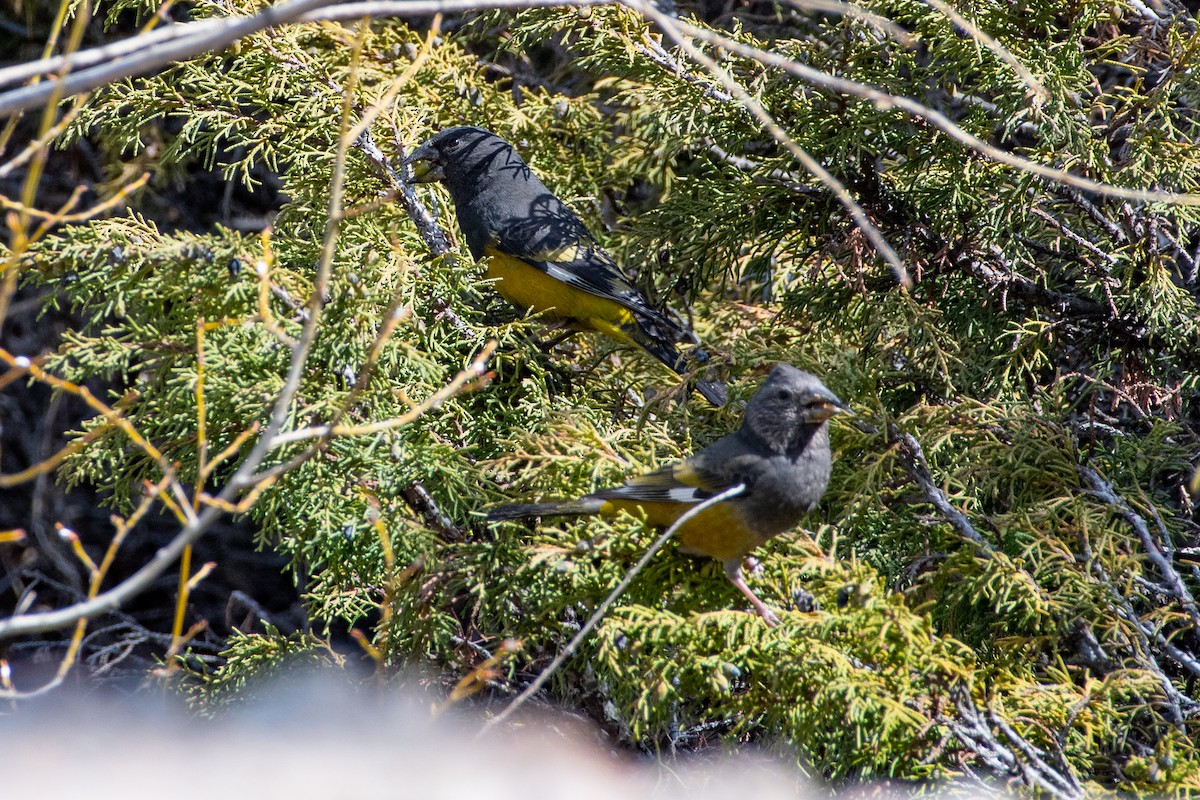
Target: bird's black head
(466, 160)
(788, 406)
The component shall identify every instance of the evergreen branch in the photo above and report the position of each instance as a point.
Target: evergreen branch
(1024, 126)
(112, 416)
(433, 235)
(1114, 231)
(880, 23)
(602, 609)
(403, 189)
(244, 477)
(320, 290)
(655, 52)
(200, 37)
(265, 316)
(1079, 241)
(1009, 280)
(912, 459)
(1132, 402)
(431, 232)
(1180, 705)
(677, 29)
(473, 376)
(751, 167)
(1016, 757)
(886, 100)
(1036, 89)
(420, 500)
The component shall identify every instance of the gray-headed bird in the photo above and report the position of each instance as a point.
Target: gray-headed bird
(780, 454)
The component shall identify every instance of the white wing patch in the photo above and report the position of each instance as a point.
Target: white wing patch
(658, 494)
(684, 494)
(566, 276)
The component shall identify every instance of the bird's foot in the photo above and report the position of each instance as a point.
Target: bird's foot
(733, 571)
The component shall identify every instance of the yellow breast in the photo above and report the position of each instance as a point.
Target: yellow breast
(529, 287)
(717, 532)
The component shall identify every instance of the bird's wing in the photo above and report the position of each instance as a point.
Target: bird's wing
(554, 241)
(558, 244)
(686, 482)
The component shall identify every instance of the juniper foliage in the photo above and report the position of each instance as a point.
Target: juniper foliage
(1007, 530)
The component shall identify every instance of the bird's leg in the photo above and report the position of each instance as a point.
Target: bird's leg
(543, 344)
(751, 565)
(733, 571)
(557, 340)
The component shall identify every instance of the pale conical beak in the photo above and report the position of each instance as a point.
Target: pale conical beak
(425, 165)
(828, 407)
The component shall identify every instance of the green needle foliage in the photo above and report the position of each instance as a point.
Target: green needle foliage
(1003, 568)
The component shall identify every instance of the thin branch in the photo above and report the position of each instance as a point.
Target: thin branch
(31, 149)
(1114, 231)
(1016, 757)
(419, 500)
(432, 234)
(245, 475)
(778, 177)
(675, 29)
(473, 376)
(215, 34)
(134, 57)
(1075, 238)
(602, 609)
(885, 100)
(1036, 89)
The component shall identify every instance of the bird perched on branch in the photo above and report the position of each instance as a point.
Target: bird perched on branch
(780, 454)
(542, 256)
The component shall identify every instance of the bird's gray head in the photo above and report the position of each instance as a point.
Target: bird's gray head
(466, 160)
(789, 407)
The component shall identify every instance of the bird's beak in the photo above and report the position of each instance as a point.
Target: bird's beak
(426, 166)
(825, 408)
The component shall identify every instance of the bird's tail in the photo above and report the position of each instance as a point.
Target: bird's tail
(560, 508)
(655, 341)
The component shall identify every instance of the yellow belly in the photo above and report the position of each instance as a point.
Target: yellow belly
(529, 287)
(717, 532)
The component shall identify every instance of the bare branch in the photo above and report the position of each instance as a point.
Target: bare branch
(1104, 491)
(133, 57)
(885, 100)
(1009, 753)
(676, 30)
(602, 609)
(245, 475)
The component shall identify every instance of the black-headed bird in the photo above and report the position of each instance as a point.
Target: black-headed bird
(539, 252)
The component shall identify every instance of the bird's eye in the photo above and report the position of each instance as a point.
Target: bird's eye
(784, 394)
(451, 144)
